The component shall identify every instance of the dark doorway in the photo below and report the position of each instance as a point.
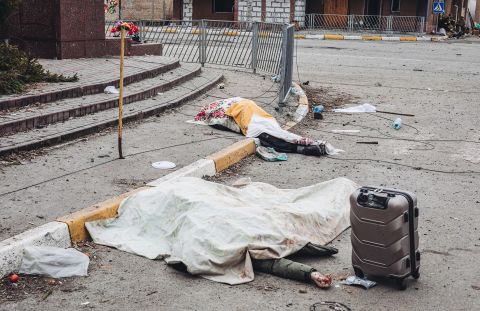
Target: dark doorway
(372, 7)
(314, 7)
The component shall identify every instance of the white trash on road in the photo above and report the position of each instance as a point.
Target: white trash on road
(359, 108)
(54, 262)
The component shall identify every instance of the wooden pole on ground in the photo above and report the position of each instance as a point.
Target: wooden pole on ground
(120, 98)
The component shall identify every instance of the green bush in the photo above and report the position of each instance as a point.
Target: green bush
(17, 69)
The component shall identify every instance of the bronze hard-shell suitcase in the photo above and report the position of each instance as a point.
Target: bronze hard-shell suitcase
(384, 233)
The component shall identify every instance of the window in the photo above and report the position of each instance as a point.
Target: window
(395, 5)
(222, 6)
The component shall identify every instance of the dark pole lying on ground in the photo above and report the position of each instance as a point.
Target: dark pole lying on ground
(397, 113)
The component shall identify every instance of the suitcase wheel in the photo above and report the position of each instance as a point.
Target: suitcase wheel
(416, 274)
(358, 272)
(401, 284)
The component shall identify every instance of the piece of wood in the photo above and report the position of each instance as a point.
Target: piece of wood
(396, 113)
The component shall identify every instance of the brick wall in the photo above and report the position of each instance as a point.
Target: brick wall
(300, 12)
(253, 13)
(187, 9)
(277, 11)
(144, 9)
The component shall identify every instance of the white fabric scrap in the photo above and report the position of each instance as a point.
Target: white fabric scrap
(359, 108)
(215, 229)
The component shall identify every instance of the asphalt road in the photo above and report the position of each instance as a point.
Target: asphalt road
(433, 155)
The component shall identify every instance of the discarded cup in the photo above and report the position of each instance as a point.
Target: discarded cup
(397, 124)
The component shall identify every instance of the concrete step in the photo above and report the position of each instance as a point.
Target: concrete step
(135, 70)
(59, 111)
(76, 127)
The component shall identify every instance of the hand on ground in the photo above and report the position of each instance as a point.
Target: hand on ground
(322, 281)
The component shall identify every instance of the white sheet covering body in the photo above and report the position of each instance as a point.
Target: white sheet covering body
(215, 229)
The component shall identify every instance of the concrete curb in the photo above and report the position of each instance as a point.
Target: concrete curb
(11, 250)
(71, 228)
(368, 38)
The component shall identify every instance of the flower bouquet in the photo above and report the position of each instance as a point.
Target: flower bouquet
(129, 27)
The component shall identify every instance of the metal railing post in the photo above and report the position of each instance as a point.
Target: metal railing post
(390, 23)
(421, 30)
(287, 64)
(202, 52)
(351, 19)
(141, 31)
(311, 23)
(254, 46)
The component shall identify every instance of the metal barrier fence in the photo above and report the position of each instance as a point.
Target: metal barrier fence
(369, 23)
(287, 63)
(262, 47)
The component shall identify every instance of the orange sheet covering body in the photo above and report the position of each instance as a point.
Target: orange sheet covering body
(242, 112)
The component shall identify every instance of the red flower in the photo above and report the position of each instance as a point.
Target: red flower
(114, 30)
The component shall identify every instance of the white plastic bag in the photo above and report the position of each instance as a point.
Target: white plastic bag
(360, 108)
(54, 262)
(110, 90)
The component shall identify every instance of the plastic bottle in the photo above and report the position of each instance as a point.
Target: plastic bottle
(318, 109)
(397, 124)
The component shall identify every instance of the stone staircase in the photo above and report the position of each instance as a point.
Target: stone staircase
(49, 117)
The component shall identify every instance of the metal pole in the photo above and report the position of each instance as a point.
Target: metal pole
(120, 9)
(283, 70)
(202, 43)
(120, 98)
(254, 46)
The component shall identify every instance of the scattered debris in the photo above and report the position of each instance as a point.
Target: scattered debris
(276, 78)
(317, 112)
(331, 305)
(368, 142)
(241, 182)
(416, 69)
(356, 281)
(48, 293)
(302, 291)
(396, 113)
(270, 155)
(378, 84)
(13, 278)
(221, 86)
(345, 131)
(54, 262)
(397, 124)
(476, 287)
(306, 83)
(164, 165)
(110, 90)
(359, 108)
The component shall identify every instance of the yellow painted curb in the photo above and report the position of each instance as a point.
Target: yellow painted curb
(264, 34)
(333, 37)
(408, 39)
(106, 209)
(300, 36)
(231, 33)
(371, 38)
(170, 30)
(232, 154)
(195, 32)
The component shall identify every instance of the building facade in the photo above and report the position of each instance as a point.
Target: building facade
(294, 11)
